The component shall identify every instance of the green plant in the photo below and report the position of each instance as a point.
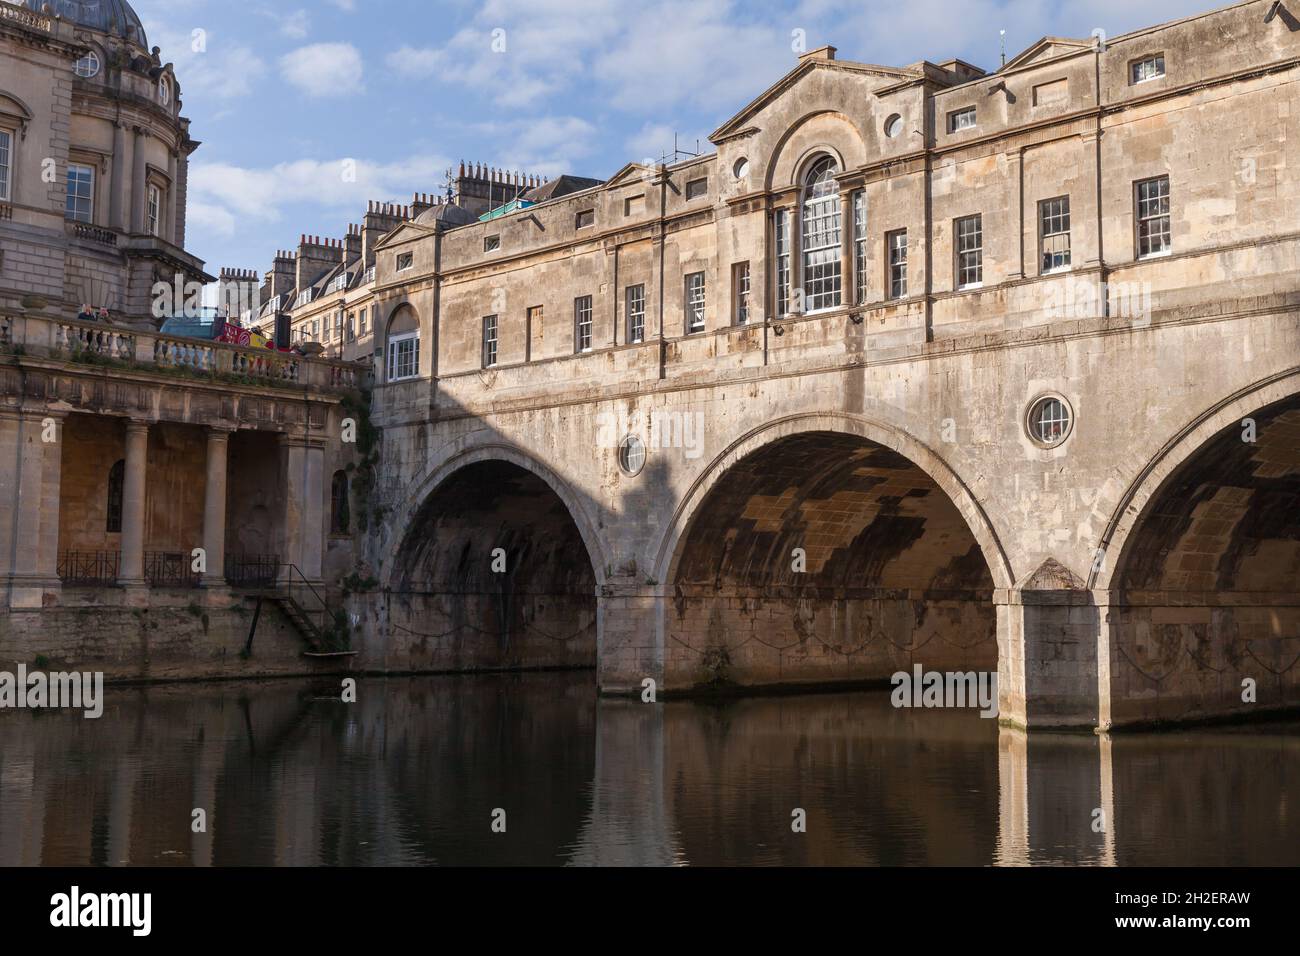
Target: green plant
(42, 661)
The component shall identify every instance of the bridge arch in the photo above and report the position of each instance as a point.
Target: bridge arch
(827, 547)
(497, 567)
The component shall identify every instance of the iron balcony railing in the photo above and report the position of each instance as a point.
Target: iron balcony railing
(252, 570)
(89, 568)
(170, 569)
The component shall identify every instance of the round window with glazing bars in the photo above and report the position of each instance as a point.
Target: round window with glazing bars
(1049, 421)
(631, 455)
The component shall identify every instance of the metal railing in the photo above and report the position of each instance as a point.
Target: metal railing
(252, 570)
(89, 568)
(170, 569)
(310, 601)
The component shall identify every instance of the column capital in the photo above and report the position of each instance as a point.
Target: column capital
(137, 425)
(220, 432)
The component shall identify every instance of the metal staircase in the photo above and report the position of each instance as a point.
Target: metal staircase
(307, 610)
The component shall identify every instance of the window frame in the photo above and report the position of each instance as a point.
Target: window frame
(741, 293)
(955, 115)
(7, 182)
(895, 268)
(491, 341)
(583, 324)
(634, 317)
(1045, 214)
(153, 209)
(700, 186)
(93, 55)
(821, 219)
(71, 197)
(959, 267)
(695, 310)
(784, 261)
(492, 243)
(394, 353)
(578, 217)
(408, 257)
(1136, 64)
(1139, 220)
(859, 204)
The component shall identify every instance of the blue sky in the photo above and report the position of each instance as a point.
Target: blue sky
(283, 95)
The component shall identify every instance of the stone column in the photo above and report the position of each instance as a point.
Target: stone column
(848, 261)
(131, 570)
(30, 472)
(629, 636)
(137, 181)
(304, 505)
(214, 509)
(115, 217)
(171, 230)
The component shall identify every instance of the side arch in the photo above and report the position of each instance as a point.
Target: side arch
(438, 476)
(888, 436)
(839, 138)
(1155, 477)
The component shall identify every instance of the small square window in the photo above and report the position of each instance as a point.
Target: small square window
(696, 189)
(961, 119)
(405, 260)
(584, 219)
(1147, 68)
(634, 205)
(491, 243)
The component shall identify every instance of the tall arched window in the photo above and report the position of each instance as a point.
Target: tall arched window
(822, 266)
(116, 481)
(340, 510)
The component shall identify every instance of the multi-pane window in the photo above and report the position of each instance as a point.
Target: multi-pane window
(896, 247)
(822, 265)
(1054, 232)
(116, 486)
(403, 356)
(1152, 198)
(860, 245)
(782, 230)
(88, 65)
(155, 209)
(405, 261)
(81, 193)
(491, 243)
(489, 341)
(961, 119)
(695, 301)
(740, 283)
(970, 251)
(582, 324)
(635, 297)
(1147, 68)
(696, 188)
(6, 146)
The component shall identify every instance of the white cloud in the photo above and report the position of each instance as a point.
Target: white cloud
(225, 196)
(295, 25)
(655, 140)
(324, 69)
(216, 69)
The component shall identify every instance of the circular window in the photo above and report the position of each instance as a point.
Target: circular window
(893, 125)
(741, 169)
(88, 65)
(1049, 421)
(164, 91)
(631, 455)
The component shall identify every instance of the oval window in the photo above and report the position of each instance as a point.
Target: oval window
(741, 169)
(631, 455)
(1049, 421)
(893, 125)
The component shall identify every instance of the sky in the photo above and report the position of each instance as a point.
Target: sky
(308, 109)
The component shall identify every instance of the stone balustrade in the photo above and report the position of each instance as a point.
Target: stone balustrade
(80, 341)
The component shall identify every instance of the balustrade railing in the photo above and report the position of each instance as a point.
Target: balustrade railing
(170, 569)
(89, 568)
(90, 341)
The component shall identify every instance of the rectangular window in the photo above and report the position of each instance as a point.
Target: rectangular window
(405, 260)
(584, 219)
(403, 356)
(1054, 233)
(782, 230)
(697, 189)
(491, 243)
(970, 251)
(338, 324)
(81, 193)
(315, 330)
(1147, 68)
(155, 209)
(896, 246)
(582, 324)
(6, 152)
(961, 119)
(1152, 199)
(350, 330)
(860, 244)
(740, 283)
(822, 263)
(695, 302)
(634, 205)
(489, 341)
(635, 300)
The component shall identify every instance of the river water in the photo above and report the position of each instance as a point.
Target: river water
(418, 770)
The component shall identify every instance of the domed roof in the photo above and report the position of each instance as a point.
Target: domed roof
(447, 214)
(114, 17)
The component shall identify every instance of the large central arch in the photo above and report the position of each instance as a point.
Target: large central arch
(493, 571)
(895, 563)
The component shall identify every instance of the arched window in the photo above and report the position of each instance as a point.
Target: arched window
(822, 265)
(116, 481)
(403, 345)
(340, 511)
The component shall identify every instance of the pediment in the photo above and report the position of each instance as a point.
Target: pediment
(1046, 49)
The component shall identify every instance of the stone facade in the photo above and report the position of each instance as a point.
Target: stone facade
(1062, 446)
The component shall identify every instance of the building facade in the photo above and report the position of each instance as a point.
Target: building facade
(925, 366)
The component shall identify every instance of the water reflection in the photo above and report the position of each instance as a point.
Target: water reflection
(412, 773)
